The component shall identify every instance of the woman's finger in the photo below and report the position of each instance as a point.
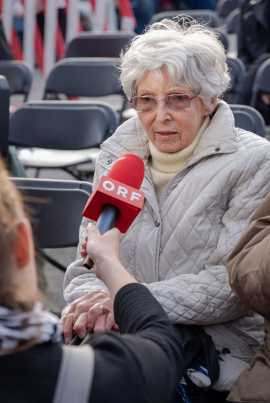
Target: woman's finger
(83, 306)
(100, 324)
(92, 231)
(63, 320)
(84, 245)
(115, 327)
(68, 328)
(109, 322)
(93, 314)
(80, 325)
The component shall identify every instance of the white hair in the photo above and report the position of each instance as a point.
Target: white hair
(189, 51)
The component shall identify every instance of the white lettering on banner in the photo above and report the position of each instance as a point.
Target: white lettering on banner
(123, 191)
(110, 184)
(135, 196)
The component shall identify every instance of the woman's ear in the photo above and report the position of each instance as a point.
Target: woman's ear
(21, 248)
(210, 110)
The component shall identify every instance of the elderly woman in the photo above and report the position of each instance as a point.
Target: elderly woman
(204, 178)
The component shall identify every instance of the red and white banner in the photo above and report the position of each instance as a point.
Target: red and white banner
(43, 50)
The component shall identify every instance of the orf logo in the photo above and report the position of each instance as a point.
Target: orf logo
(121, 191)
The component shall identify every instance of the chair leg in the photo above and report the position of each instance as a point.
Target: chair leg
(37, 173)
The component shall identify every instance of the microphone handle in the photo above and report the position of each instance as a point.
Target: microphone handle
(105, 222)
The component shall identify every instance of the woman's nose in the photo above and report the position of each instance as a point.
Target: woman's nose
(162, 112)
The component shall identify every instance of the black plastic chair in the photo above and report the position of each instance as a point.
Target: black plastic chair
(101, 44)
(18, 75)
(249, 119)
(225, 7)
(4, 115)
(232, 21)
(86, 77)
(208, 16)
(223, 38)
(45, 127)
(237, 72)
(261, 83)
(56, 207)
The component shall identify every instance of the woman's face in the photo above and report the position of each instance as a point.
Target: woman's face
(169, 130)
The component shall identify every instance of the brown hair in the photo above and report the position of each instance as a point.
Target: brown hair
(11, 212)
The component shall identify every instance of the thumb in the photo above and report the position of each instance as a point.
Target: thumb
(92, 231)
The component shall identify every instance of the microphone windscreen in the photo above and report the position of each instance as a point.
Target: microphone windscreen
(129, 170)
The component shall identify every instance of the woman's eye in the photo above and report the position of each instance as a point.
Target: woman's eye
(178, 97)
(146, 99)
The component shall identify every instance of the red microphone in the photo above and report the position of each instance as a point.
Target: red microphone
(117, 200)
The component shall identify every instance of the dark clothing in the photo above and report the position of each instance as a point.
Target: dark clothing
(142, 366)
(253, 30)
(254, 46)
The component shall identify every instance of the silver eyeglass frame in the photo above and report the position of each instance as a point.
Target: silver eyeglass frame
(164, 99)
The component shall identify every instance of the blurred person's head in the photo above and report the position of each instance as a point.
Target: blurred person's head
(18, 272)
(174, 58)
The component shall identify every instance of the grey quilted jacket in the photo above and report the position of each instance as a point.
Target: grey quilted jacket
(179, 248)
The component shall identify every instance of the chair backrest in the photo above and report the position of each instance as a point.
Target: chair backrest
(232, 21)
(112, 117)
(101, 44)
(261, 82)
(56, 207)
(19, 76)
(210, 17)
(4, 115)
(237, 72)
(225, 7)
(85, 77)
(223, 38)
(58, 126)
(248, 118)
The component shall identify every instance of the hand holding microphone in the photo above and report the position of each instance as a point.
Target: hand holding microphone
(104, 251)
(117, 199)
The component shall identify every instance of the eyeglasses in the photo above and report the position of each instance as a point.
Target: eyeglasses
(176, 102)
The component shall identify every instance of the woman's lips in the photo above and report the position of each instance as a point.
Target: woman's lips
(165, 135)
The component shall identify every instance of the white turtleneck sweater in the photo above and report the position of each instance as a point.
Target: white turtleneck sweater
(163, 166)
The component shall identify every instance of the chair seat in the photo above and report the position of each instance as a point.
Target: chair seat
(43, 158)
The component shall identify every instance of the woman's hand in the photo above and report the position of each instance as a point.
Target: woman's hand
(84, 315)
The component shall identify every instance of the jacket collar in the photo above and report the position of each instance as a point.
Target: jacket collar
(130, 137)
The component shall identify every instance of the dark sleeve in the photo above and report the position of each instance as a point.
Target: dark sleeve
(144, 365)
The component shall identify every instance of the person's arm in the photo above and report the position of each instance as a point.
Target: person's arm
(249, 263)
(144, 364)
(207, 298)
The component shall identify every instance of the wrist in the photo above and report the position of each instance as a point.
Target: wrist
(114, 275)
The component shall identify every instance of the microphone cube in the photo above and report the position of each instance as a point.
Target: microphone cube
(109, 191)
